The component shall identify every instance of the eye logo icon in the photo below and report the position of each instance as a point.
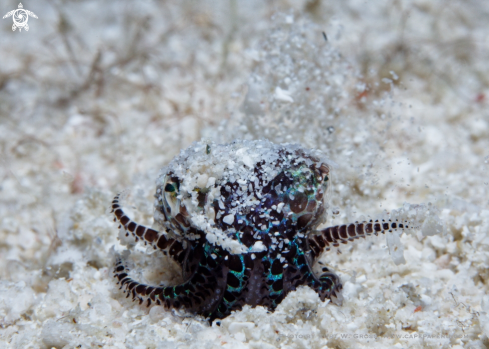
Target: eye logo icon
(20, 17)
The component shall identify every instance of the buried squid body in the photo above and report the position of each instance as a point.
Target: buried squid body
(240, 219)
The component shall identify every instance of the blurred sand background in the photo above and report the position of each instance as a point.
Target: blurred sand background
(98, 95)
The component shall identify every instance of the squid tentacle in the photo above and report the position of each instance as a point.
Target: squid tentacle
(342, 234)
(201, 293)
(169, 296)
(147, 235)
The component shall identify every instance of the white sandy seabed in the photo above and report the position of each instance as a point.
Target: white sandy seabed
(99, 95)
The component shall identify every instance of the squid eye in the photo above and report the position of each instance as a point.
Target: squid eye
(325, 182)
(169, 188)
(171, 196)
(322, 179)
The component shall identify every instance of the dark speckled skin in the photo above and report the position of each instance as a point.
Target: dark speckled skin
(217, 281)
